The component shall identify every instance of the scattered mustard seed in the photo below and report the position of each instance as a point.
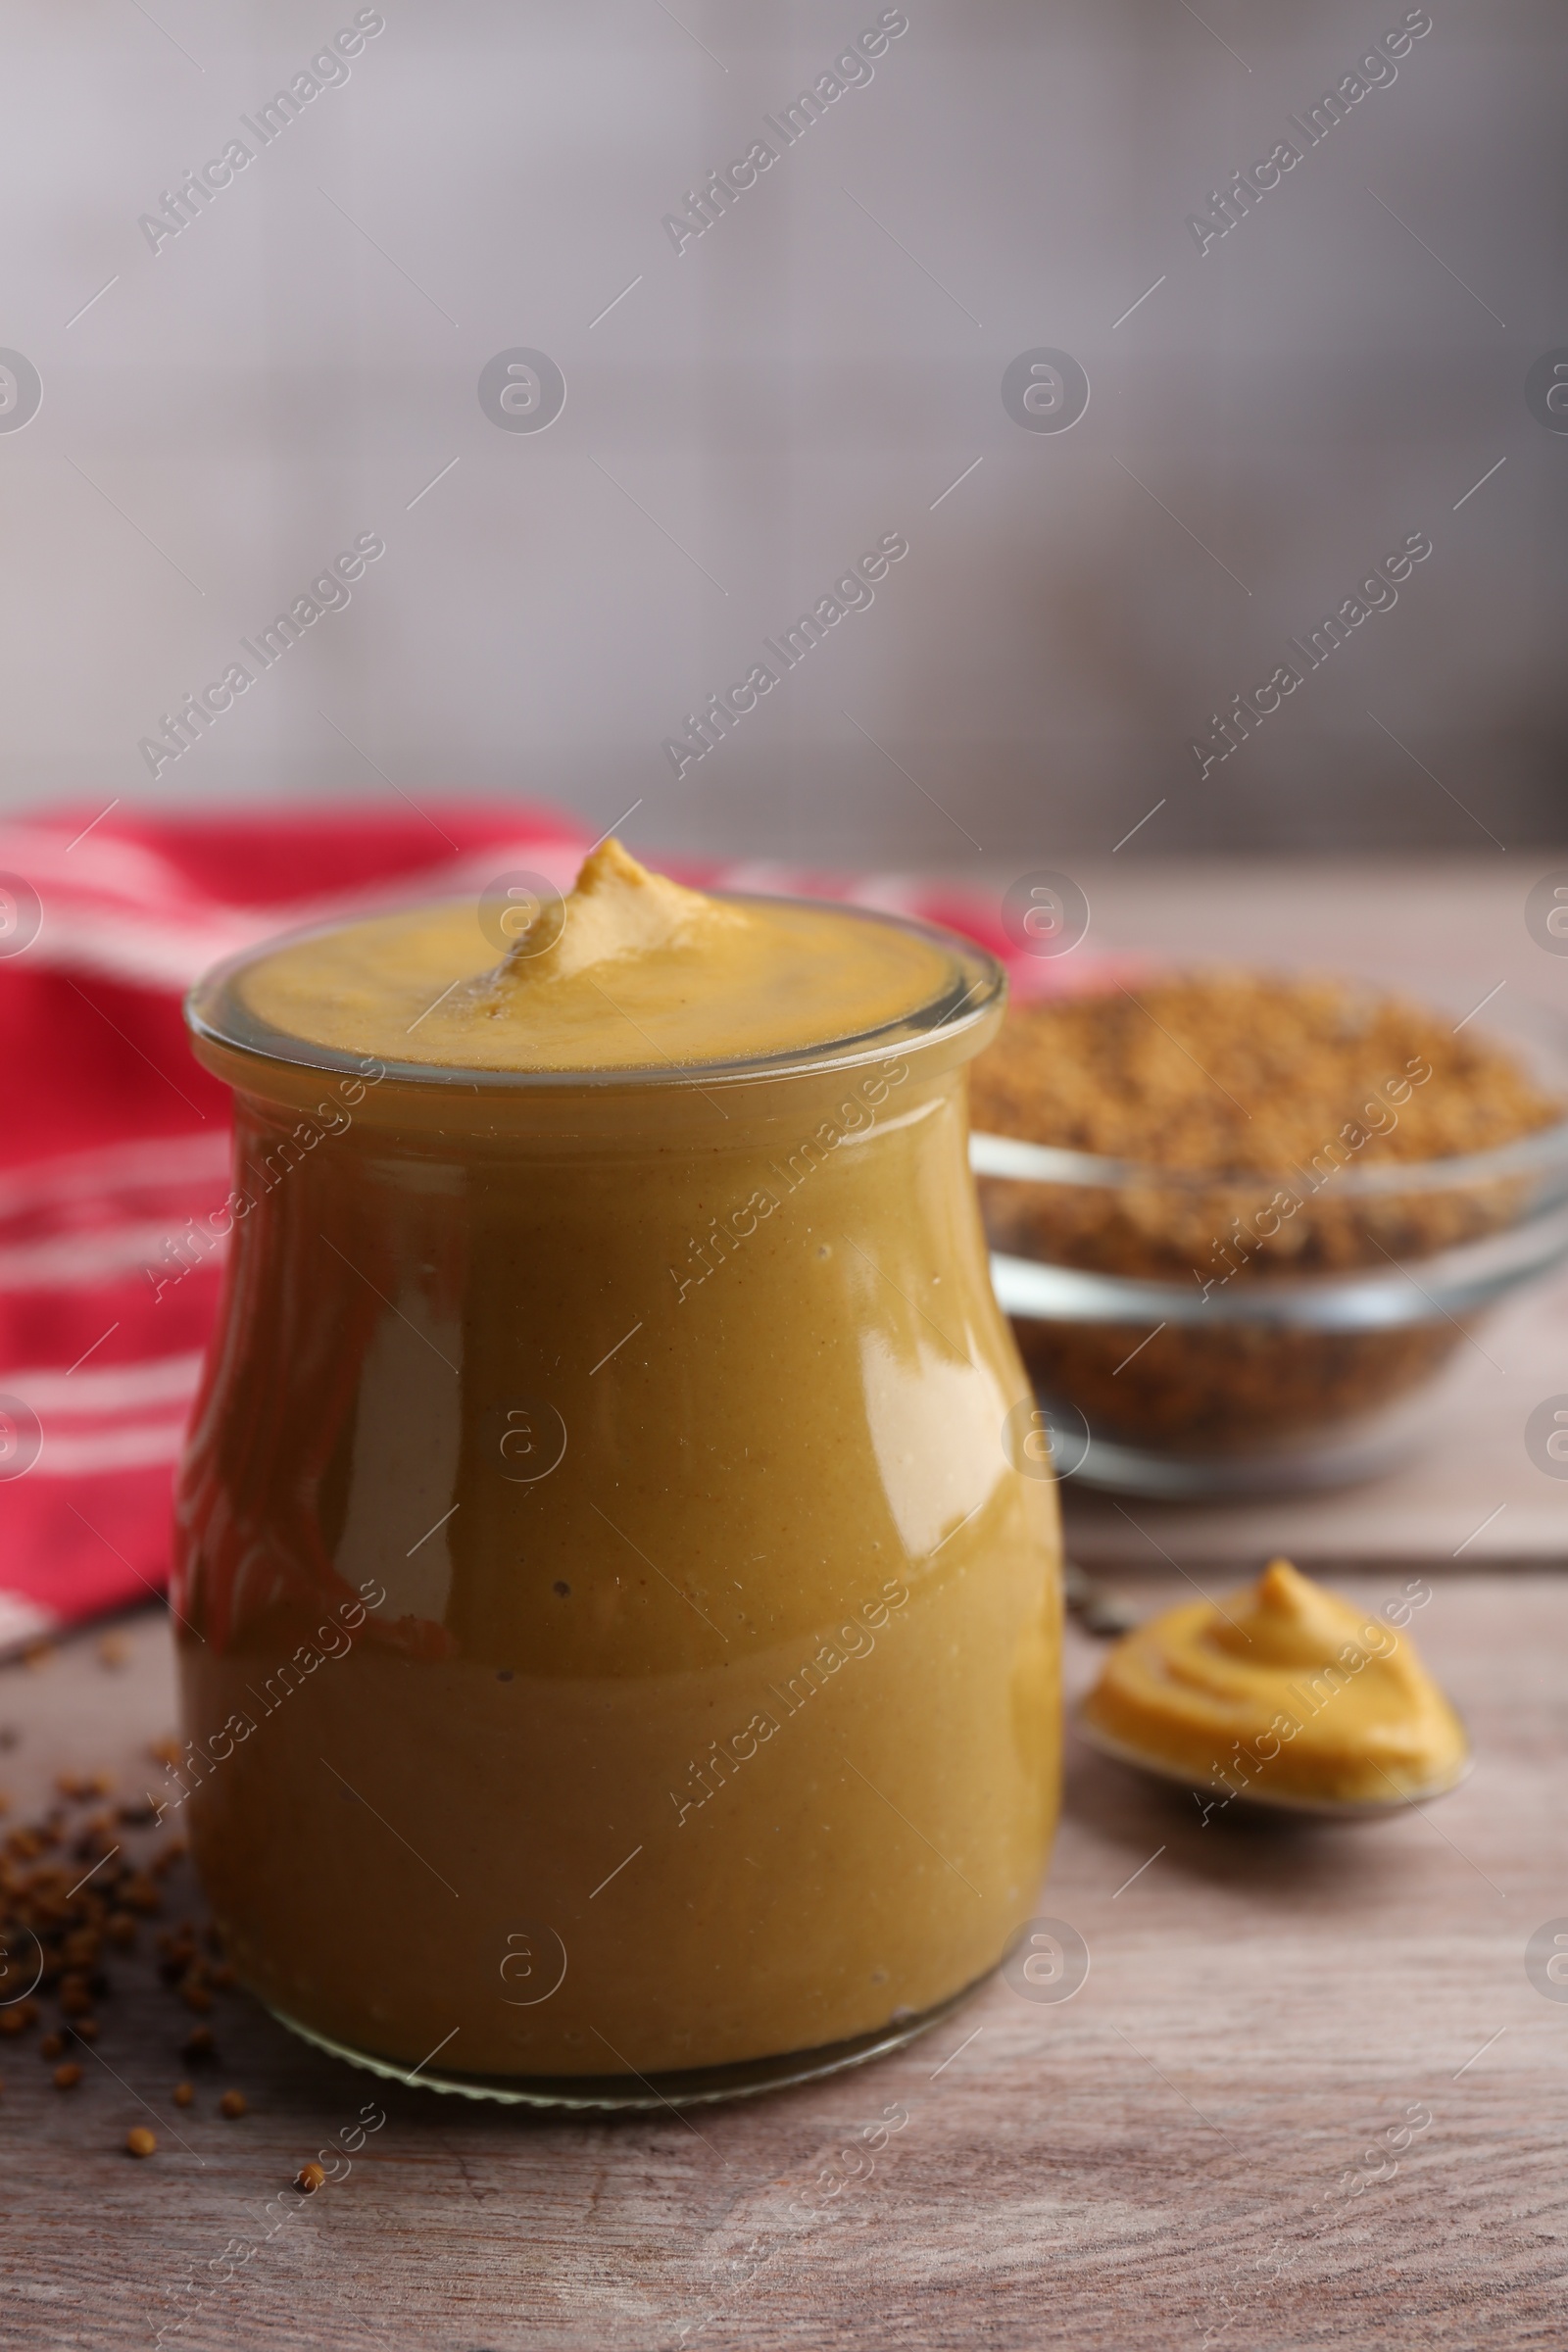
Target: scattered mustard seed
(140, 2141)
(66, 2077)
(309, 2178)
(233, 2104)
(184, 2094)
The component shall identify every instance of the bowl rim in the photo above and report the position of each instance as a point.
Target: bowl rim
(1014, 1158)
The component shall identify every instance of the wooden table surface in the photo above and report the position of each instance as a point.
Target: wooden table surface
(1220, 2139)
(1201, 2148)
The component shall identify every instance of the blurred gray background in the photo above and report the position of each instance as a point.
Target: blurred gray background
(301, 360)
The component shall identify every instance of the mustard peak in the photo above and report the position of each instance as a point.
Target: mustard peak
(615, 908)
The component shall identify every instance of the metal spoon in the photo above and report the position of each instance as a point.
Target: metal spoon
(1261, 1798)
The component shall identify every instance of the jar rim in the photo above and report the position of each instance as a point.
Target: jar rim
(217, 1016)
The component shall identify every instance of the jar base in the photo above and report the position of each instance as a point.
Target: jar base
(632, 2094)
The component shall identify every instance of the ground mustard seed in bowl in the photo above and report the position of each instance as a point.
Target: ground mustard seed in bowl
(1241, 1220)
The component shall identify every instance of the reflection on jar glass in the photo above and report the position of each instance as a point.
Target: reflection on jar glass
(631, 1648)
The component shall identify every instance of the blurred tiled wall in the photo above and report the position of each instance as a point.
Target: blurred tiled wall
(758, 408)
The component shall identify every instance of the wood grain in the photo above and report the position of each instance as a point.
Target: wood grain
(1157, 2162)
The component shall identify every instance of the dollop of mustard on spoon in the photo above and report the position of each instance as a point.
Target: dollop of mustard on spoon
(1284, 1693)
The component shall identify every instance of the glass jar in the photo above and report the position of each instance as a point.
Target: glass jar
(620, 1660)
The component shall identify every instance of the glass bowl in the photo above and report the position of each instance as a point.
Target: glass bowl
(1193, 1332)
